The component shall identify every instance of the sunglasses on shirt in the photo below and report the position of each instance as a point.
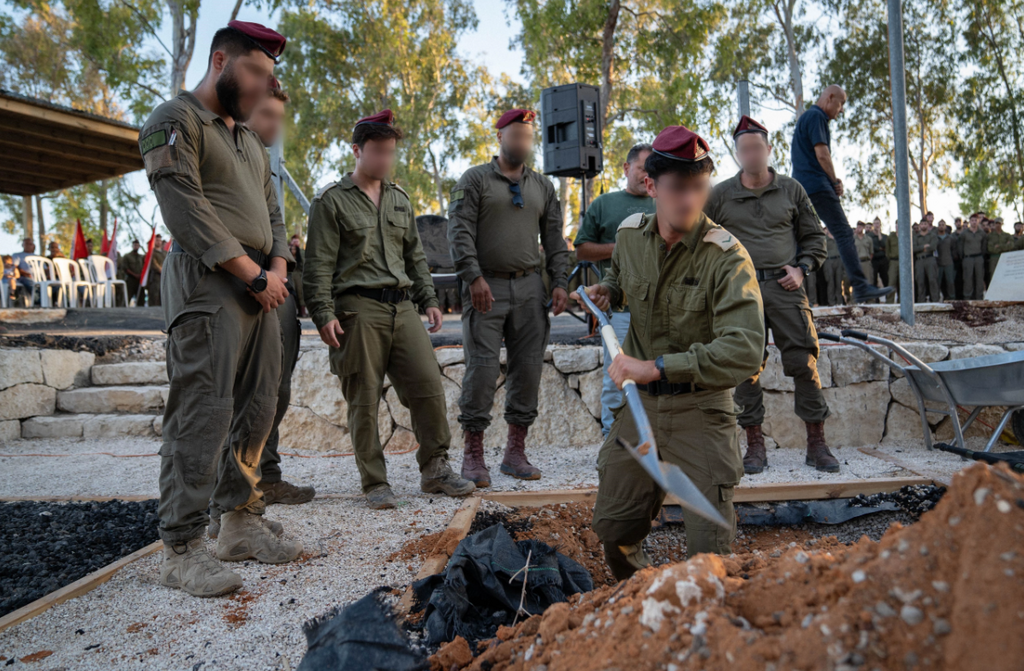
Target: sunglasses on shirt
(517, 196)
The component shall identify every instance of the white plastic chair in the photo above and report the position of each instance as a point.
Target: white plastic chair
(42, 270)
(106, 284)
(70, 275)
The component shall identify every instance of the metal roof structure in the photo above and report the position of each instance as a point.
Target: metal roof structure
(51, 147)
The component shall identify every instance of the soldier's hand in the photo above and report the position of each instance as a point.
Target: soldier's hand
(559, 301)
(625, 368)
(435, 319)
(793, 279)
(480, 294)
(838, 187)
(274, 295)
(597, 293)
(330, 331)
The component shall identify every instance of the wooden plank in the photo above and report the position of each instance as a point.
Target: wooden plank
(76, 497)
(874, 452)
(541, 498)
(56, 152)
(66, 120)
(75, 589)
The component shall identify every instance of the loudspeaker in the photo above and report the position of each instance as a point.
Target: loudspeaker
(571, 123)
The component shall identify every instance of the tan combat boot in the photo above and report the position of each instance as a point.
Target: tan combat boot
(438, 477)
(213, 529)
(818, 454)
(380, 497)
(189, 567)
(286, 493)
(244, 535)
(755, 460)
(515, 462)
(473, 467)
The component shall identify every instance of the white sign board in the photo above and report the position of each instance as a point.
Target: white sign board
(1008, 281)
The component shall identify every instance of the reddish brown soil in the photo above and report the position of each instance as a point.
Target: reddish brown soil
(944, 593)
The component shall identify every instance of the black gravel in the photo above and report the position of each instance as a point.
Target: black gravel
(914, 500)
(44, 546)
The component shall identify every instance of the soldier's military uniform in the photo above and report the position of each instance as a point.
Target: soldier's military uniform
(926, 270)
(865, 246)
(999, 241)
(778, 227)
(892, 252)
(223, 351)
(973, 246)
(133, 262)
(947, 272)
(493, 228)
(835, 275)
(156, 265)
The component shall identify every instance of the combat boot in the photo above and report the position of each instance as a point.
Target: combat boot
(473, 467)
(286, 493)
(755, 460)
(381, 497)
(818, 454)
(438, 476)
(213, 529)
(514, 462)
(189, 567)
(244, 535)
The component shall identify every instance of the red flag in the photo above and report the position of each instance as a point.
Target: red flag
(78, 250)
(149, 256)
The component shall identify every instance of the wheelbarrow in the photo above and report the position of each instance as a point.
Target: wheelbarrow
(995, 380)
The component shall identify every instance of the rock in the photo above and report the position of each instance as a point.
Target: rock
(10, 429)
(112, 426)
(106, 400)
(64, 369)
(911, 615)
(941, 627)
(32, 316)
(455, 654)
(18, 366)
(989, 417)
(27, 400)
(902, 426)
(158, 425)
(56, 426)
(130, 373)
(314, 387)
(385, 424)
(455, 373)
(884, 609)
(774, 378)
(925, 351)
(591, 386)
(851, 365)
(858, 416)
(1014, 346)
(576, 359)
(303, 429)
(447, 356)
(399, 412)
(402, 440)
(970, 351)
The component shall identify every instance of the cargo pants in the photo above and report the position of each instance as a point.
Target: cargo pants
(388, 338)
(894, 279)
(926, 279)
(974, 277)
(520, 317)
(834, 277)
(696, 432)
(788, 316)
(224, 367)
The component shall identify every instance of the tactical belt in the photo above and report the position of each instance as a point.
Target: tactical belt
(973, 256)
(382, 295)
(508, 276)
(921, 257)
(662, 388)
(765, 275)
(834, 257)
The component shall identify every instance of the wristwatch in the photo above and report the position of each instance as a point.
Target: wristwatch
(260, 283)
(803, 267)
(659, 363)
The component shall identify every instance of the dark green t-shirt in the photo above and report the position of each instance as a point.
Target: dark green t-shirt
(601, 222)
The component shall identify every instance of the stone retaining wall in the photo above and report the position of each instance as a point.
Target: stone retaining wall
(49, 393)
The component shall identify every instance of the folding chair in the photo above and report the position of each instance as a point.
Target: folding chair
(70, 275)
(42, 270)
(106, 284)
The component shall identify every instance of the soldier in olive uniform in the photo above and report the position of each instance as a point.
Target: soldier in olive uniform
(132, 264)
(879, 263)
(892, 253)
(365, 274)
(947, 272)
(835, 275)
(696, 331)
(222, 282)
(926, 269)
(999, 241)
(156, 269)
(497, 212)
(771, 215)
(1018, 236)
(973, 246)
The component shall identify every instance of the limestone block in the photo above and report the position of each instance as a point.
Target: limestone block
(903, 426)
(314, 387)
(576, 359)
(851, 365)
(105, 400)
(55, 426)
(63, 369)
(455, 373)
(774, 378)
(902, 393)
(1014, 346)
(982, 427)
(970, 351)
(447, 356)
(303, 429)
(402, 440)
(27, 400)
(590, 391)
(158, 425)
(857, 419)
(113, 426)
(565, 419)
(18, 366)
(10, 429)
(32, 316)
(130, 373)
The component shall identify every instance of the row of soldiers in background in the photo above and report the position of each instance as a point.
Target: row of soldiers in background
(950, 263)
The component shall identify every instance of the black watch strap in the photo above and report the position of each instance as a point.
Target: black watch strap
(259, 284)
(659, 363)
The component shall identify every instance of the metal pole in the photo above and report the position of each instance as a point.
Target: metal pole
(898, 79)
(743, 96)
(277, 172)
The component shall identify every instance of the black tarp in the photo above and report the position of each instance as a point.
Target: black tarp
(477, 592)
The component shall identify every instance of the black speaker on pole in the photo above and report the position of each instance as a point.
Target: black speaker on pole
(571, 118)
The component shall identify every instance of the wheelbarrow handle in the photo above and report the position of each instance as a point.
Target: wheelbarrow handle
(850, 333)
(830, 336)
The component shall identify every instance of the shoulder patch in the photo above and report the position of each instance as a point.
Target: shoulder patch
(401, 190)
(324, 189)
(634, 221)
(721, 237)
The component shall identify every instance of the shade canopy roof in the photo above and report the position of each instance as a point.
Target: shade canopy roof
(50, 147)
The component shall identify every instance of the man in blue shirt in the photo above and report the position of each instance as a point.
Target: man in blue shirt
(812, 167)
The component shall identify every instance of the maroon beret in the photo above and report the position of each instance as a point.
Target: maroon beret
(382, 118)
(748, 125)
(680, 143)
(275, 85)
(270, 41)
(516, 116)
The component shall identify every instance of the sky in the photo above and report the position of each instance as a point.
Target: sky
(490, 44)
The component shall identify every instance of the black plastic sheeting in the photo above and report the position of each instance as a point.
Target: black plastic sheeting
(477, 591)
(828, 511)
(363, 635)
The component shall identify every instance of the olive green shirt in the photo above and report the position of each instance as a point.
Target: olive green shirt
(1018, 242)
(945, 249)
(353, 243)
(931, 239)
(213, 185)
(132, 262)
(892, 246)
(972, 243)
(778, 227)
(831, 248)
(487, 233)
(601, 222)
(697, 305)
(1000, 242)
(865, 246)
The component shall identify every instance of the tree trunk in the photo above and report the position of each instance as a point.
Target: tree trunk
(42, 225)
(784, 15)
(607, 64)
(104, 206)
(438, 182)
(26, 204)
(183, 39)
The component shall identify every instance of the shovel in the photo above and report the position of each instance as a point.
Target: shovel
(668, 476)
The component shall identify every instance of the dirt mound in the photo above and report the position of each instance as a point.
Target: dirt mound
(945, 593)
